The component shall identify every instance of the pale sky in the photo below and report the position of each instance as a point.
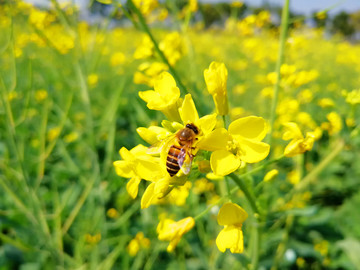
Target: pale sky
(300, 6)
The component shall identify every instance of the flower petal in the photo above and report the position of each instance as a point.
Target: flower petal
(188, 112)
(231, 214)
(148, 95)
(207, 123)
(251, 127)
(148, 170)
(216, 140)
(126, 154)
(292, 131)
(253, 151)
(132, 187)
(152, 134)
(165, 85)
(231, 237)
(147, 196)
(223, 162)
(123, 168)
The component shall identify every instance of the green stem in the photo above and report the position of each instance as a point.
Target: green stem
(310, 176)
(235, 189)
(284, 239)
(256, 233)
(156, 46)
(280, 60)
(249, 196)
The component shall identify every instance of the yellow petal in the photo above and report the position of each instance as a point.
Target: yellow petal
(253, 151)
(223, 162)
(169, 230)
(165, 85)
(188, 112)
(152, 134)
(148, 170)
(251, 127)
(293, 148)
(270, 175)
(292, 131)
(231, 237)
(139, 150)
(207, 123)
(132, 187)
(147, 196)
(231, 214)
(216, 78)
(148, 95)
(216, 140)
(123, 168)
(161, 187)
(126, 154)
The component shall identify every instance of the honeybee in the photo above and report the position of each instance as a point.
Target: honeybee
(179, 149)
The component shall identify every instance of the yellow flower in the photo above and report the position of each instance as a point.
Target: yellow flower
(188, 114)
(147, 72)
(293, 177)
(145, 50)
(216, 79)
(203, 185)
(93, 79)
(93, 239)
(162, 183)
(271, 175)
(334, 125)
(136, 165)
(322, 247)
(298, 144)
(164, 97)
(13, 95)
(117, 58)
(241, 143)
(170, 230)
(232, 216)
(112, 213)
(172, 47)
(326, 103)
(353, 97)
(71, 137)
(53, 133)
(41, 95)
(138, 242)
(146, 6)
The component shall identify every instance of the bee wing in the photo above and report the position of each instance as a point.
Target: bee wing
(185, 161)
(158, 147)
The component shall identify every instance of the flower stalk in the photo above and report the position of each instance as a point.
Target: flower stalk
(156, 45)
(280, 60)
(249, 196)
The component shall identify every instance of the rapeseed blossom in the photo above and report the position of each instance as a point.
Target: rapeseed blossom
(164, 97)
(270, 175)
(136, 165)
(140, 241)
(334, 124)
(232, 216)
(170, 230)
(238, 145)
(216, 79)
(298, 144)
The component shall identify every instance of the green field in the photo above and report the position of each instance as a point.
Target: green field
(73, 93)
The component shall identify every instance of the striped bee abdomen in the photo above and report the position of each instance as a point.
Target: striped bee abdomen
(172, 165)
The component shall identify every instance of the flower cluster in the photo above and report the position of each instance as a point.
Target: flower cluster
(173, 145)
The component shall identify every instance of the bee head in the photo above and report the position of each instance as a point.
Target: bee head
(193, 128)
